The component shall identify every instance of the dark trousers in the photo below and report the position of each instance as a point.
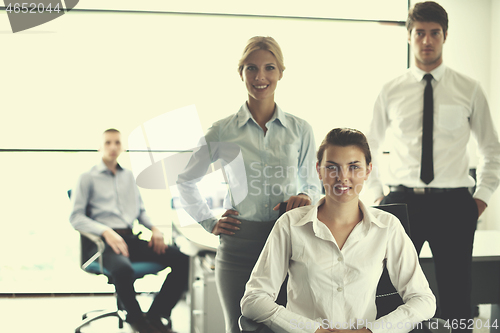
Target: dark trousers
(122, 275)
(447, 221)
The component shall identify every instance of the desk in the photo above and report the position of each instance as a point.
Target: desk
(206, 311)
(193, 239)
(485, 271)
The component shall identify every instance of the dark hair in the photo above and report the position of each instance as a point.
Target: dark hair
(428, 11)
(344, 137)
(111, 130)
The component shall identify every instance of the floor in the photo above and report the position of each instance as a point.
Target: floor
(62, 314)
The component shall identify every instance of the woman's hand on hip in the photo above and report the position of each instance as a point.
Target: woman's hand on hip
(226, 224)
(296, 201)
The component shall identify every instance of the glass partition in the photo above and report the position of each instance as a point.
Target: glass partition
(66, 81)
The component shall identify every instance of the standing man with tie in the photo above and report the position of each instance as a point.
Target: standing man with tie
(431, 111)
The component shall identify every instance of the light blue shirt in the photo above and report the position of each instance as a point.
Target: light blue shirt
(102, 200)
(262, 170)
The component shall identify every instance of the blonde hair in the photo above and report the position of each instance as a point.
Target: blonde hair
(262, 43)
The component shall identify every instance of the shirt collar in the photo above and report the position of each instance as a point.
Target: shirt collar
(437, 73)
(368, 217)
(312, 215)
(101, 167)
(244, 116)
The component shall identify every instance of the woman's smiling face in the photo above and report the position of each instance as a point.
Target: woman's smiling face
(343, 171)
(261, 75)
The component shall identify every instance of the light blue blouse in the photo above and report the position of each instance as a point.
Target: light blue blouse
(262, 170)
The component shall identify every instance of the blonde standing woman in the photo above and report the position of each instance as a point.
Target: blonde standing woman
(278, 154)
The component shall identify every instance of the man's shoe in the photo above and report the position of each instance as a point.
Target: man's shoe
(143, 326)
(157, 323)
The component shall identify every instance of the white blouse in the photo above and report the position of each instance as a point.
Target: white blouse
(333, 288)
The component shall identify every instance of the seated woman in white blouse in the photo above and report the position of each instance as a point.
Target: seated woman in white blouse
(334, 253)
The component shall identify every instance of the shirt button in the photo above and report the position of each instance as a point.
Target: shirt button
(340, 259)
(265, 205)
(340, 289)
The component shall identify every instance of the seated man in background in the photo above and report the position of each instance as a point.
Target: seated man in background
(106, 202)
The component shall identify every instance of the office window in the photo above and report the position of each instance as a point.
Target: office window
(64, 82)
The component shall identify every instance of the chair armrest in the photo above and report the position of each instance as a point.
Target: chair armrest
(100, 249)
(249, 326)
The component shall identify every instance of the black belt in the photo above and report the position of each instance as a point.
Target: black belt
(424, 190)
(124, 232)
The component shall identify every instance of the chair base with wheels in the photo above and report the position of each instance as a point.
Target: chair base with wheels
(94, 266)
(120, 313)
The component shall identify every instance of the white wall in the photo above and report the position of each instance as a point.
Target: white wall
(66, 81)
(493, 211)
(468, 47)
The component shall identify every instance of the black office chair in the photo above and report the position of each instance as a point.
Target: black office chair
(94, 266)
(387, 298)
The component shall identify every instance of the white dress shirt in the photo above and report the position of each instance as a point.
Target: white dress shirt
(332, 287)
(460, 108)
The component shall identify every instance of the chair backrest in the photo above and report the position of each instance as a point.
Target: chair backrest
(387, 298)
(400, 211)
(83, 240)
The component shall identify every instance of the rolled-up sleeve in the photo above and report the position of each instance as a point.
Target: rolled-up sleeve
(191, 199)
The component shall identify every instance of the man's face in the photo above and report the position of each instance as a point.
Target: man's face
(111, 146)
(426, 40)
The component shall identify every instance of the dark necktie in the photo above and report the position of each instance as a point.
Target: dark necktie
(427, 167)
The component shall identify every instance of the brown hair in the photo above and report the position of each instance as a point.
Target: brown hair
(428, 11)
(344, 137)
(262, 43)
